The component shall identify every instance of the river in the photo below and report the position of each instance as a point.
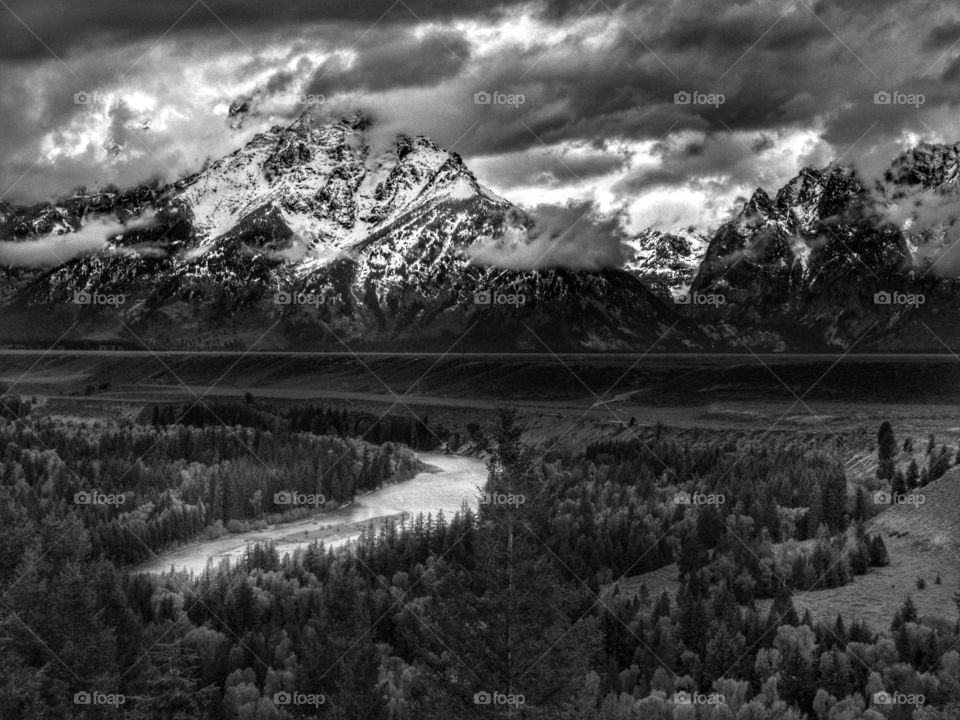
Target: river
(445, 485)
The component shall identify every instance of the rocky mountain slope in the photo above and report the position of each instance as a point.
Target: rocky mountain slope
(833, 259)
(310, 237)
(666, 262)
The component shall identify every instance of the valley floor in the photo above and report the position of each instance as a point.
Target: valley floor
(568, 403)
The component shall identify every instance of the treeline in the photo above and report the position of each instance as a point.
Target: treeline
(319, 419)
(433, 619)
(13, 407)
(139, 489)
(634, 506)
(476, 616)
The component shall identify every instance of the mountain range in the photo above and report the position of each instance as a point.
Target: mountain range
(312, 236)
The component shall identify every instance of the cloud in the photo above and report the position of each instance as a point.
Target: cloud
(932, 218)
(53, 249)
(575, 236)
(386, 60)
(69, 27)
(590, 77)
(942, 36)
(547, 167)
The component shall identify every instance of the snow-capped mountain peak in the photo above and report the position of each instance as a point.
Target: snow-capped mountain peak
(324, 179)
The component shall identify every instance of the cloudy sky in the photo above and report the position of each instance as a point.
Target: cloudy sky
(584, 95)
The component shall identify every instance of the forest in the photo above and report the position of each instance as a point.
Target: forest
(510, 610)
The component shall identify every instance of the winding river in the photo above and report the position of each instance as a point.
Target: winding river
(448, 482)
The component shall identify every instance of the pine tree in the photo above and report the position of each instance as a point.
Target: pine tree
(724, 652)
(913, 475)
(899, 484)
(833, 504)
(909, 611)
(505, 622)
(878, 552)
(886, 451)
(861, 505)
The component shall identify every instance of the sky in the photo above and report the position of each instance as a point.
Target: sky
(664, 114)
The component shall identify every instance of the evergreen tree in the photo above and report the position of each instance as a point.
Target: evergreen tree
(899, 484)
(504, 624)
(886, 451)
(913, 475)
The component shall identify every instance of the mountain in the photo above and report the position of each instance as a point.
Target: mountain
(308, 237)
(833, 259)
(666, 262)
(318, 235)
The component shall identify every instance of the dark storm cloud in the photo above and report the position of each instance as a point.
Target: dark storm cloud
(943, 36)
(777, 71)
(41, 26)
(613, 73)
(717, 155)
(279, 81)
(767, 65)
(388, 61)
(730, 27)
(952, 72)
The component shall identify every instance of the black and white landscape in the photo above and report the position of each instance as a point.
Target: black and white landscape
(551, 360)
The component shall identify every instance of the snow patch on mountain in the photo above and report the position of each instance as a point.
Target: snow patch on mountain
(666, 262)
